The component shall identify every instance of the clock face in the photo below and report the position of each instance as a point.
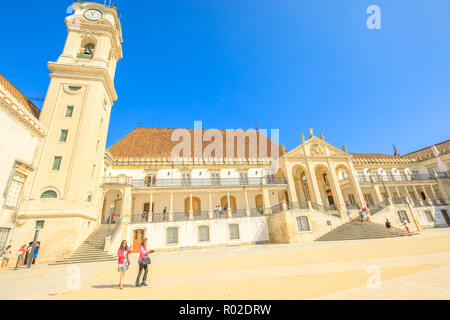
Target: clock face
(93, 14)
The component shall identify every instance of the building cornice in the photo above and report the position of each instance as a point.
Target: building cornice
(13, 107)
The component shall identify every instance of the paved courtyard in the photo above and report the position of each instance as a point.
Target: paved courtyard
(415, 267)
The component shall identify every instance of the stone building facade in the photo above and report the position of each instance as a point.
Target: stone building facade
(58, 171)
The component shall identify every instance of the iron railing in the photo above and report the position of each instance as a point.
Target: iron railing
(213, 182)
(328, 209)
(400, 200)
(117, 181)
(276, 208)
(398, 177)
(203, 215)
(379, 206)
(297, 206)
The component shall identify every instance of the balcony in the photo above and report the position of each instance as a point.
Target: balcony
(197, 216)
(117, 181)
(400, 177)
(213, 182)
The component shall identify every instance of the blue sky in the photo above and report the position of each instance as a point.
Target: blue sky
(289, 64)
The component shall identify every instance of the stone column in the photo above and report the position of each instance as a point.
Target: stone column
(315, 186)
(191, 211)
(247, 207)
(427, 200)
(266, 200)
(126, 205)
(210, 212)
(378, 193)
(291, 184)
(355, 183)
(337, 188)
(230, 214)
(171, 207)
(419, 199)
(150, 214)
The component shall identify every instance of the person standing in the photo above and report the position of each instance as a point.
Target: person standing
(124, 261)
(6, 256)
(349, 215)
(28, 253)
(364, 216)
(165, 217)
(21, 255)
(390, 228)
(220, 211)
(144, 261)
(36, 251)
(405, 223)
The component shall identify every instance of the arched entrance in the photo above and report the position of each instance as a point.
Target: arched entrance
(347, 186)
(112, 207)
(302, 185)
(196, 206)
(325, 186)
(224, 203)
(259, 203)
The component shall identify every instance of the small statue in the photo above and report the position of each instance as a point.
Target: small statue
(311, 132)
(302, 136)
(322, 137)
(344, 148)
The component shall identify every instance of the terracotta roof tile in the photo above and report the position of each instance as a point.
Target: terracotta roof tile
(374, 156)
(428, 151)
(20, 96)
(156, 143)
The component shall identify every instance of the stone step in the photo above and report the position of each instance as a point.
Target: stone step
(356, 230)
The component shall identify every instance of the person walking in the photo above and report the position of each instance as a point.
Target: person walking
(390, 228)
(6, 255)
(406, 225)
(124, 261)
(144, 261)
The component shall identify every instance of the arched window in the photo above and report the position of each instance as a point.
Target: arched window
(50, 194)
(87, 51)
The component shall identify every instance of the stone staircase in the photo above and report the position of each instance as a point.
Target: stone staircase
(356, 230)
(92, 249)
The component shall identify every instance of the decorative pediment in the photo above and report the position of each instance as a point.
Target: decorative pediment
(316, 147)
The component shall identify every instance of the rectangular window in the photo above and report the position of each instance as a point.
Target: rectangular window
(429, 216)
(402, 214)
(172, 235)
(3, 238)
(69, 112)
(57, 163)
(234, 232)
(63, 136)
(203, 233)
(14, 191)
(303, 224)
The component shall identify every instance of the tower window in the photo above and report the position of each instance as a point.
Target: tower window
(57, 163)
(73, 88)
(69, 111)
(49, 195)
(87, 52)
(63, 136)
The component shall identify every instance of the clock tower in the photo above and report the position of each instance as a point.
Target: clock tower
(65, 187)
